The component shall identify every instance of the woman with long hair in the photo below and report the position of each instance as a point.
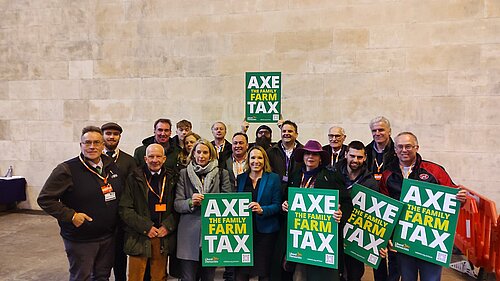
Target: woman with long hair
(201, 176)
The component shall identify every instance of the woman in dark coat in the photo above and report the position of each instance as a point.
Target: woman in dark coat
(314, 174)
(266, 199)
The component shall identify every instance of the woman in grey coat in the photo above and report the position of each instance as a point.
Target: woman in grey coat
(199, 177)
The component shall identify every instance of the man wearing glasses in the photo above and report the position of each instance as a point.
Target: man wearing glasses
(82, 194)
(335, 148)
(410, 165)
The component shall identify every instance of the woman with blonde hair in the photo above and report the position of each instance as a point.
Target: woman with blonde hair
(201, 176)
(265, 187)
(188, 141)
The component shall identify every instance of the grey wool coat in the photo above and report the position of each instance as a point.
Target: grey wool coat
(189, 228)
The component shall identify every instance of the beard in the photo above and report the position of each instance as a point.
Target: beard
(263, 141)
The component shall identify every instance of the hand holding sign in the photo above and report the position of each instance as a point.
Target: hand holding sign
(284, 206)
(337, 215)
(462, 194)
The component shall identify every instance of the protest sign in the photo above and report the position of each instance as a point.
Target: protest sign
(226, 230)
(426, 228)
(263, 97)
(312, 233)
(370, 225)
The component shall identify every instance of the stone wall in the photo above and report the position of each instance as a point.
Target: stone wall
(430, 66)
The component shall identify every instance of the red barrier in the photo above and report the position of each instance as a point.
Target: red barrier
(477, 230)
(496, 248)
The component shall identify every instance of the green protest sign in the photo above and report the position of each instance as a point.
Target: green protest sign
(226, 230)
(312, 233)
(263, 97)
(370, 225)
(426, 228)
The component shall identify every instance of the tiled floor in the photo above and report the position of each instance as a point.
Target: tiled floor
(31, 249)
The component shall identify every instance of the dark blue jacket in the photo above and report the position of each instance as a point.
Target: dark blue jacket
(269, 198)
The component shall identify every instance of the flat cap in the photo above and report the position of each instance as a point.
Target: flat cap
(111, 126)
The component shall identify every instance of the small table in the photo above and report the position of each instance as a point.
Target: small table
(12, 190)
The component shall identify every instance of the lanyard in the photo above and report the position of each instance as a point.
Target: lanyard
(334, 159)
(310, 182)
(287, 164)
(407, 169)
(288, 155)
(378, 166)
(105, 179)
(220, 148)
(162, 187)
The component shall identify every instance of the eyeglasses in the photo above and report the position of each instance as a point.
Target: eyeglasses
(89, 143)
(400, 147)
(334, 136)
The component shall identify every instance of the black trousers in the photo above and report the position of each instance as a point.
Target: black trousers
(90, 260)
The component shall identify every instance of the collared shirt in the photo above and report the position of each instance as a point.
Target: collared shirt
(219, 148)
(115, 152)
(288, 152)
(238, 166)
(154, 173)
(94, 165)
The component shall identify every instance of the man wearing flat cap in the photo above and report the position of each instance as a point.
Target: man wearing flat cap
(126, 164)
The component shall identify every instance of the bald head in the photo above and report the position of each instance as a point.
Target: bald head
(155, 157)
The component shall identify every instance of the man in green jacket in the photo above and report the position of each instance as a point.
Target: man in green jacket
(146, 207)
(162, 132)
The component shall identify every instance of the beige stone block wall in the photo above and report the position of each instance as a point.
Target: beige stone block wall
(431, 67)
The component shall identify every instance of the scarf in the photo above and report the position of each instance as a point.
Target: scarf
(194, 172)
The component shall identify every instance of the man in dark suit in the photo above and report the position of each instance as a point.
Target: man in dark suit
(221, 145)
(236, 162)
(126, 164)
(335, 148)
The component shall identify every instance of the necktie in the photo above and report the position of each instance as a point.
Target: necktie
(334, 158)
(99, 170)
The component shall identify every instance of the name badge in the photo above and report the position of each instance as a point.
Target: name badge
(377, 176)
(110, 196)
(107, 188)
(284, 179)
(160, 207)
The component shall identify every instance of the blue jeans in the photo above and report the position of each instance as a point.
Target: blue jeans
(412, 267)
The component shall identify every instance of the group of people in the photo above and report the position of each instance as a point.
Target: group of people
(110, 205)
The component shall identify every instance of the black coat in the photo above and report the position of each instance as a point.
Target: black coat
(171, 152)
(341, 154)
(277, 159)
(389, 156)
(328, 180)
